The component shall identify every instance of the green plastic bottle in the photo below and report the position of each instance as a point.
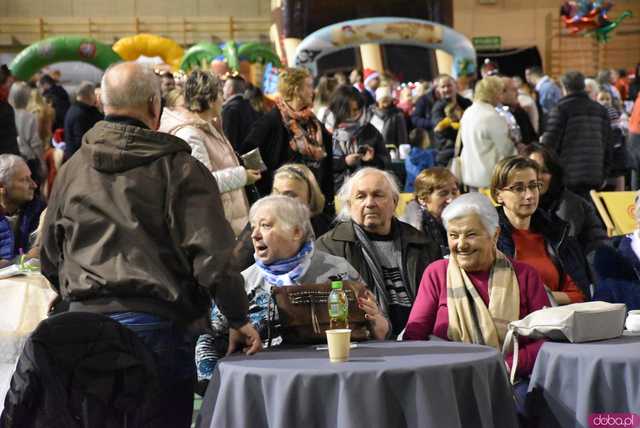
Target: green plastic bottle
(338, 307)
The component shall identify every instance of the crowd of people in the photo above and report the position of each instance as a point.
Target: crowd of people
(154, 219)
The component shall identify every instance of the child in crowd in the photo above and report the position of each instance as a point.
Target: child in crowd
(453, 113)
(420, 157)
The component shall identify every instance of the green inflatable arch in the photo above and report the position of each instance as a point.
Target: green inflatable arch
(58, 49)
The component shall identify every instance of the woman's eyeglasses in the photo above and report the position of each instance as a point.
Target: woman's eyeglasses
(520, 188)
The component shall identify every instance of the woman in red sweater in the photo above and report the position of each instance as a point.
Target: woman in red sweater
(472, 296)
(528, 235)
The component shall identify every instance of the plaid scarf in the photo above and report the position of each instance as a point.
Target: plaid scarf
(470, 320)
(305, 129)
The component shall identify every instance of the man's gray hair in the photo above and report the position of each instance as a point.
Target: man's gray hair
(19, 95)
(8, 165)
(472, 203)
(344, 194)
(134, 91)
(288, 211)
(573, 81)
(86, 90)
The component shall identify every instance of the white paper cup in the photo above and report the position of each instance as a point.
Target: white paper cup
(633, 321)
(339, 342)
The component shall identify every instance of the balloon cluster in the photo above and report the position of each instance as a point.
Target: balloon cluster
(590, 17)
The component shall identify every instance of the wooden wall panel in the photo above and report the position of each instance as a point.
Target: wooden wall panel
(101, 8)
(132, 8)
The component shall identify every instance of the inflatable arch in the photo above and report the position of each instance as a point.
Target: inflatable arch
(231, 52)
(58, 49)
(405, 31)
(131, 48)
(196, 55)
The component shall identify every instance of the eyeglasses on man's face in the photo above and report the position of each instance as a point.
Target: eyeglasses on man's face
(520, 188)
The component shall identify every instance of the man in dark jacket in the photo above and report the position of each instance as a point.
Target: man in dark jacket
(8, 132)
(446, 125)
(80, 118)
(237, 114)
(421, 116)
(20, 208)
(527, 133)
(578, 130)
(136, 230)
(390, 255)
(59, 99)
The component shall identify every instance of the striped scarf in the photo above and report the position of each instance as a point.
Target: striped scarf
(470, 320)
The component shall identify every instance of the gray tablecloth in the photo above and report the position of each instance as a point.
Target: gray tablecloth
(571, 381)
(385, 384)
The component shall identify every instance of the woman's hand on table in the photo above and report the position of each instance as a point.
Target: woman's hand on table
(246, 337)
(378, 322)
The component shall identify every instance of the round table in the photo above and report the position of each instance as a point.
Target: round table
(572, 382)
(25, 302)
(384, 384)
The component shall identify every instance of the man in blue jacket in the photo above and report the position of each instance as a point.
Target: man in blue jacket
(19, 208)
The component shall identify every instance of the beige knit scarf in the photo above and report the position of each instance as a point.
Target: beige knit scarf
(470, 320)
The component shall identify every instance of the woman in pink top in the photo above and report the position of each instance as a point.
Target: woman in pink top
(472, 296)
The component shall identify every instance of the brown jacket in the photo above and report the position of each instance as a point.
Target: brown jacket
(136, 224)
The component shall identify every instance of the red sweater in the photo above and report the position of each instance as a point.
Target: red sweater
(531, 249)
(430, 315)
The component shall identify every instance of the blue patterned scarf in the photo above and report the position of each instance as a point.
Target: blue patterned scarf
(288, 271)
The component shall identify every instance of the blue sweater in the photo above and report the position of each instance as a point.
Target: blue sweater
(28, 222)
(417, 160)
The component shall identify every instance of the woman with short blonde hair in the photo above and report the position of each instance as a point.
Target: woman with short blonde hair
(489, 90)
(291, 133)
(291, 82)
(485, 135)
(299, 172)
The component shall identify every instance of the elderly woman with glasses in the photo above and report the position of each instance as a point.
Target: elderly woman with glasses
(472, 296)
(528, 235)
(285, 255)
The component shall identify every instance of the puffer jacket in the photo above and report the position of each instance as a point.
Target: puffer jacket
(578, 130)
(80, 370)
(391, 125)
(564, 251)
(135, 223)
(211, 147)
(10, 244)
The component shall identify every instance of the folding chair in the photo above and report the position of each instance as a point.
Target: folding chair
(617, 210)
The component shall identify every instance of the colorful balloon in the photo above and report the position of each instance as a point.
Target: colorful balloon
(590, 17)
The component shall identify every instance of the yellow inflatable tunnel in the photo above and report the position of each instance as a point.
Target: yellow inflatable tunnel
(131, 48)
